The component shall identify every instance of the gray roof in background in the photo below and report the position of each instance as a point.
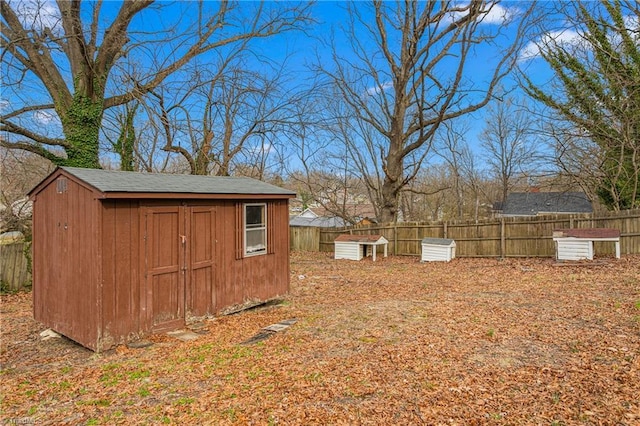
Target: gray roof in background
(533, 203)
(134, 182)
(320, 222)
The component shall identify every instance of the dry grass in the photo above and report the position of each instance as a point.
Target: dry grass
(474, 341)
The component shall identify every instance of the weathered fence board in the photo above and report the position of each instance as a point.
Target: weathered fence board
(505, 237)
(13, 267)
(304, 238)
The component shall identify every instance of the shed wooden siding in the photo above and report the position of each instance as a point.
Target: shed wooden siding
(66, 235)
(121, 295)
(235, 281)
(93, 280)
(268, 274)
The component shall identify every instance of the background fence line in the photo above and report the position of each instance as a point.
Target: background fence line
(503, 237)
(14, 274)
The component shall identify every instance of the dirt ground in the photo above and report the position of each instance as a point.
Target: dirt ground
(470, 342)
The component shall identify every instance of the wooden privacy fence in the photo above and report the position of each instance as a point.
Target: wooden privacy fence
(504, 237)
(304, 238)
(14, 274)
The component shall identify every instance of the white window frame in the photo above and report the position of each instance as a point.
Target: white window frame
(262, 227)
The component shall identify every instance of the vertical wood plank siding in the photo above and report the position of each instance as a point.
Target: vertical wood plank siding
(121, 290)
(239, 228)
(271, 226)
(65, 270)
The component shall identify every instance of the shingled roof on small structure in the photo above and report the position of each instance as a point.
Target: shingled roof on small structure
(535, 203)
(359, 238)
(119, 182)
(590, 233)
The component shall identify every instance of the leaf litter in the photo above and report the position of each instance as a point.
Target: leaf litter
(472, 341)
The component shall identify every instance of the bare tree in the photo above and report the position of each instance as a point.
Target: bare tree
(319, 169)
(469, 185)
(509, 150)
(429, 196)
(80, 65)
(407, 73)
(451, 147)
(19, 173)
(218, 120)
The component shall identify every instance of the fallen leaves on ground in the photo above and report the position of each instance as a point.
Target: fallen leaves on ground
(396, 341)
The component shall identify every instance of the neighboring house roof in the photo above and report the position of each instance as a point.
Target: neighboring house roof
(111, 181)
(535, 203)
(320, 222)
(355, 210)
(308, 213)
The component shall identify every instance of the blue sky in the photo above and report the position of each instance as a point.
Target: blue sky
(298, 47)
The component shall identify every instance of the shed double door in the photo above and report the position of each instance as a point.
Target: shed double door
(179, 263)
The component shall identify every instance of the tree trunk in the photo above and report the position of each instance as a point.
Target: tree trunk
(392, 185)
(126, 144)
(81, 125)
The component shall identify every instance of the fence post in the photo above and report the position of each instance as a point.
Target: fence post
(503, 238)
(395, 238)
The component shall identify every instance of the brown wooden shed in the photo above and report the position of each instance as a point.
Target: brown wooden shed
(118, 255)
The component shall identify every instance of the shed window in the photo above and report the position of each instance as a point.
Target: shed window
(255, 229)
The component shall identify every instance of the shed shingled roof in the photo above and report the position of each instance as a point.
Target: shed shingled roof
(534, 203)
(134, 182)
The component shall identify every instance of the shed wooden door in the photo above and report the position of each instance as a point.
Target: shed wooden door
(165, 252)
(200, 242)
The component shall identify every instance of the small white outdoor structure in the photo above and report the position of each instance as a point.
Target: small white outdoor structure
(577, 244)
(355, 247)
(438, 249)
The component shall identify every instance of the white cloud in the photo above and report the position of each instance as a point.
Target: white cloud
(44, 118)
(381, 88)
(564, 37)
(495, 15)
(569, 37)
(499, 15)
(38, 14)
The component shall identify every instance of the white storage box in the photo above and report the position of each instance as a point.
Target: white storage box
(438, 249)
